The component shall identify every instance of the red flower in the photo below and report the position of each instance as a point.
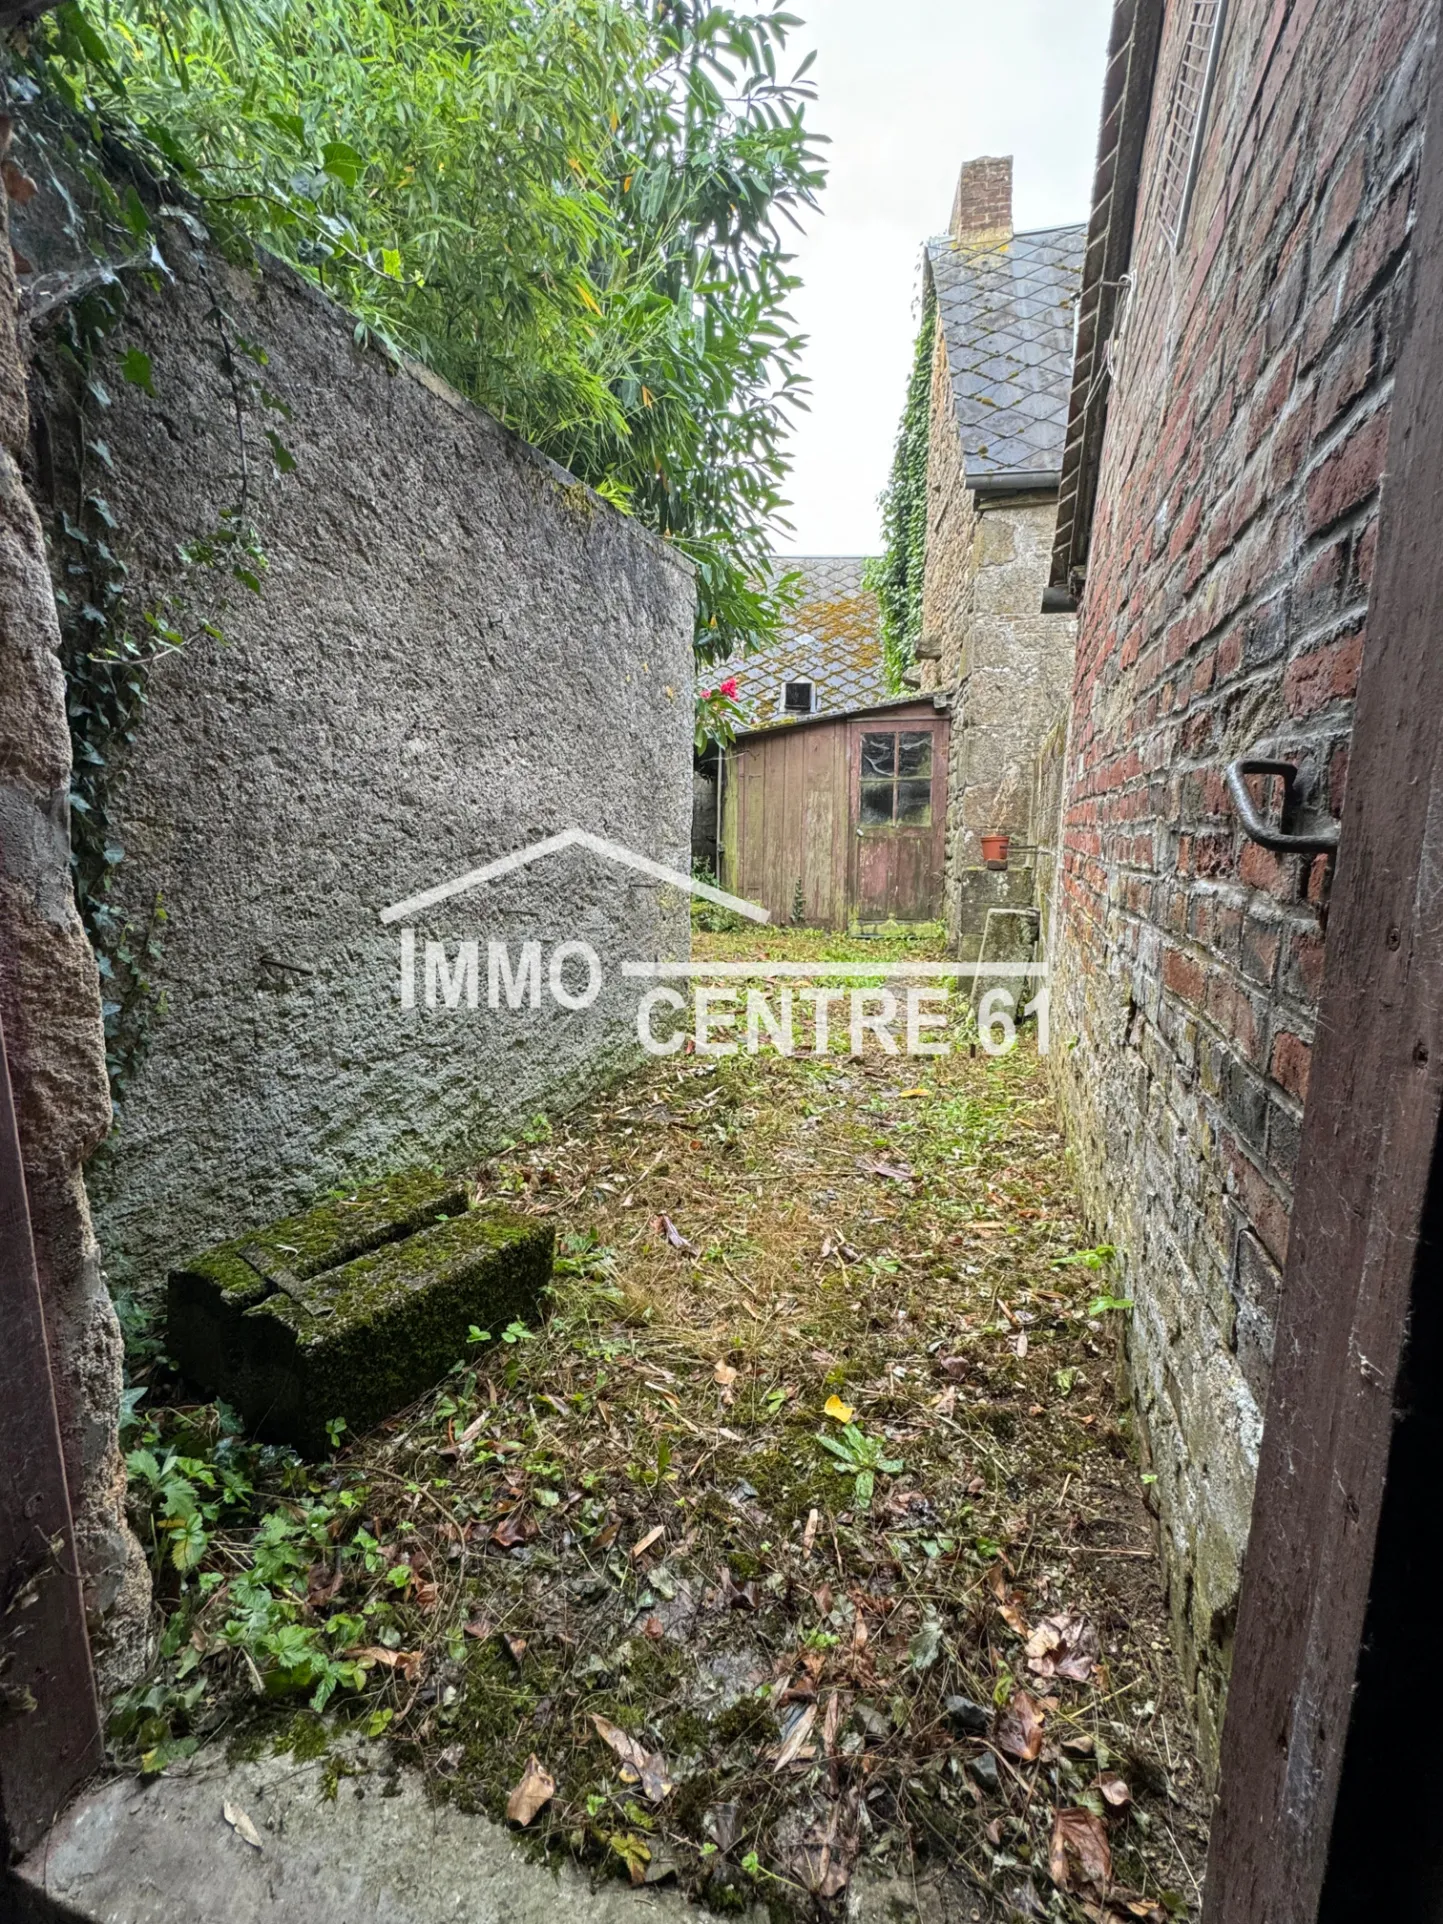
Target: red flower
(729, 688)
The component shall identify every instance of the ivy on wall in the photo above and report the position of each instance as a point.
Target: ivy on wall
(896, 576)
(111, 632)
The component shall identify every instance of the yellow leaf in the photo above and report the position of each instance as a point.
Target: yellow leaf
(907, 1094)
(588, 299)
(647, 397)
(835, 1407)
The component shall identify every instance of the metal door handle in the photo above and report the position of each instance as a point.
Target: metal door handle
(1300, 831)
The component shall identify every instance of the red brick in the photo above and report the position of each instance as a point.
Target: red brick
(1184, 977)
(1347, 476)
(1290, 1062)
(1327, 674)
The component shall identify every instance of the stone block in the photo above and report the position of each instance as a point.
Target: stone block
(354, 1308)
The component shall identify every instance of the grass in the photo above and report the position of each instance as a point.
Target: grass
(645, 1512)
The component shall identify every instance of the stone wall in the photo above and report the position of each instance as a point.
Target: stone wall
(1008, 665)
(50, 1003)
(456, 651)
(1225, 607)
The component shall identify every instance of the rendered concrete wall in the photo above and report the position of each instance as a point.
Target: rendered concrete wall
(1226, 602)
(457, 651)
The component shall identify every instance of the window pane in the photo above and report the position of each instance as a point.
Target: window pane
(877, 801)
(914, 804)
(879, 756)
(798, 699)
(914, 756)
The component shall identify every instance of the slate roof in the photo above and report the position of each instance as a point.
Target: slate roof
(832, 638)
(1007, 321)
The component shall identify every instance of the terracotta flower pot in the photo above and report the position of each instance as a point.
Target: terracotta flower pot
(994, 850)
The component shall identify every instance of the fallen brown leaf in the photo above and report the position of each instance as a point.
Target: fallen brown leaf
(1063, 1646)
(241, 1825)
(653, 1535)
(513, 1530)
(1009, 1601)
(410, 1663)
(1115, 1790)
(1079, 1858)
(536, 1788)
(639, 1765)
(1019, 1727)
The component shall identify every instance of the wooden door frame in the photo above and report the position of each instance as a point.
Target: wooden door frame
(1369, 1132)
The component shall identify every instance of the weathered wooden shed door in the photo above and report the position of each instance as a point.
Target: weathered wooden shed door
(898, 774)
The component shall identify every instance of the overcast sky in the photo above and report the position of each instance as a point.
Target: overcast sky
(907, 91)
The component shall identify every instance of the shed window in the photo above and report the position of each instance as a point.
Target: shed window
(1187, 114)
(896, 778)
(797, 697)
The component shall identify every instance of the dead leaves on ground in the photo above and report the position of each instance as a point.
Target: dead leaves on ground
(1019, 1727)
(1063, 1646)
(646, 1768)
(535, 1790)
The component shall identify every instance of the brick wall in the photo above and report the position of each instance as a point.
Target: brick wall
(1225, 606)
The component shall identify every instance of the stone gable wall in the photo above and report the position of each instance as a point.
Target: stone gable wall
(1009, 664)
(1226, 606)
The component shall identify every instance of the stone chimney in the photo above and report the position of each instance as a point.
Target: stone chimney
(982, 209)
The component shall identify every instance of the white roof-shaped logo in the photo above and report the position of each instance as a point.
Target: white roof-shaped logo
(553, 844)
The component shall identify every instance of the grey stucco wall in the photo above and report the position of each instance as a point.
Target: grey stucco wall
(457, 651)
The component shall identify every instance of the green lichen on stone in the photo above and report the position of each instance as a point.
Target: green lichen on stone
(353, 1309)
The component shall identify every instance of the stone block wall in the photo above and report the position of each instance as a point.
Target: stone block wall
(1226, 607)
(1008, 665)
(50, 1003)
(457, 651)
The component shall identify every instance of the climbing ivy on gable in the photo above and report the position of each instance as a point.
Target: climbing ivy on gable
(896, 576)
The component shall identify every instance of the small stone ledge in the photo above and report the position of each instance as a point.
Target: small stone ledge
(353, 1309)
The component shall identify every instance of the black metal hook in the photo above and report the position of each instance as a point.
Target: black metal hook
(1312, 835)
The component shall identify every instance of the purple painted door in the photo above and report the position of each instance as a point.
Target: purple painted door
(898, 782)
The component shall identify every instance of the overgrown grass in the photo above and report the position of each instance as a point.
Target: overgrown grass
(820, 1428)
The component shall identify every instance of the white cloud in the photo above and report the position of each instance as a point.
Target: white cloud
(907, 92)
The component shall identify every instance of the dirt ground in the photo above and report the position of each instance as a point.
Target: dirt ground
(806, 1536)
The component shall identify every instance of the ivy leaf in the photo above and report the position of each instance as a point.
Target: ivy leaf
(136, 369)
(133, 213)
(285, 461)
(342, 162)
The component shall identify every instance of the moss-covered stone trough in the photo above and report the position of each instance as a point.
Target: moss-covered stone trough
(355, 1308)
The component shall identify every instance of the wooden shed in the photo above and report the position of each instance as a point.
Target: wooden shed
(839, 821)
